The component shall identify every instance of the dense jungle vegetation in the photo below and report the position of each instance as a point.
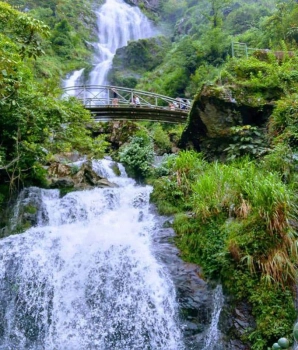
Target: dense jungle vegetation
(236, 216)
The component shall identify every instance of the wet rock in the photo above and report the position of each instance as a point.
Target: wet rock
(168, 223)
(25, 214)
(234, 322)
(68, 176)
(196, 299)
(87, 177)
(57, 169)
(214, 112)
(67, 157)
(193, 293)
(63, 182)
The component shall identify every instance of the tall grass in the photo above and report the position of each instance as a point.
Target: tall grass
(261, 208)
(248, 209)
(176, 188)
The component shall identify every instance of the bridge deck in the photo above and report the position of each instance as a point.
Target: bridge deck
(119, 103)
(109, 112)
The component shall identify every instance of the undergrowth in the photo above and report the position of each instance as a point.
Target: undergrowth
(234, 220)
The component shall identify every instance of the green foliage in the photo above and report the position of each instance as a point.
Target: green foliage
(201, 242)
(254, 74)
(137, 156)
(34, 123)
(72, 24)
(283, 134)
(161, 140)
(283, 124)
(261, 78)
(279, 25)
(173, 9)
(175, 188)
(245, 17)
(247, 140)
(282, 160)
(74, 169)
(237, 226)
(26, 32)
(136, 58)
(236, 218)
(175, 132)
(271, 303)
(216, 11)
(171, 77)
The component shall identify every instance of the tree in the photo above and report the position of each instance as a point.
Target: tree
(216, 12)
(34, 122)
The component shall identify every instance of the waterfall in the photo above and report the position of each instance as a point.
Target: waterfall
(117, 23)
(86, 277)
(73, 80)
(212, 340)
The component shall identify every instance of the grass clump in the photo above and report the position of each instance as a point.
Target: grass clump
(235, 221)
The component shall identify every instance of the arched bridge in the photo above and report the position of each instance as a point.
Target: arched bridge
(119, 103)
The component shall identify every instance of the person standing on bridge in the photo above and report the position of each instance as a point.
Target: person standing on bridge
(115, 100)
(137, 101)
(133, 100)
(172, 106)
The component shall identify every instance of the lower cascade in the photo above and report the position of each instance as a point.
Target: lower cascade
(86, 277)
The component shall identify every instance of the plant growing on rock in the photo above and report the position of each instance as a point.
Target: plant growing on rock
(235, 221)
(247, 140)
(137, 156)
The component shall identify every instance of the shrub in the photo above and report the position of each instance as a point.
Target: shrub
(161, 140)
(137, 156)
(246, 140)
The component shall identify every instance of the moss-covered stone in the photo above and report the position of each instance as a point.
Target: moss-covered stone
(215, 111)
(138, 57)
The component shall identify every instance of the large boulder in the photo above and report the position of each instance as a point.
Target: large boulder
(24, 211)
(75, 177)
(132, 61)
(215, 110)
(234, 321)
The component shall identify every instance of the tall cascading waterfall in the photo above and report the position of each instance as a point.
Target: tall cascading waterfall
(117, 23)
(86, 277)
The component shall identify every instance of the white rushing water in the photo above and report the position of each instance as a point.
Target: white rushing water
(86, 277)
(117, 23)
(212, 341)
(73, 80)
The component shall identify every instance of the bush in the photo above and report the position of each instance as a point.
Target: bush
(161, 140)
(137, 156)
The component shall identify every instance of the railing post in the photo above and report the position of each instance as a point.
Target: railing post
(84, 97)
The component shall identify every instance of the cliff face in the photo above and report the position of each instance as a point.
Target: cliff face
(140, 56)
(214, 111)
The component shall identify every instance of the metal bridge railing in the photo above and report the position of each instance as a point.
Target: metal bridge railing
(98, 95)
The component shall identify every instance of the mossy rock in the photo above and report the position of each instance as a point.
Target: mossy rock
(138, 57)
